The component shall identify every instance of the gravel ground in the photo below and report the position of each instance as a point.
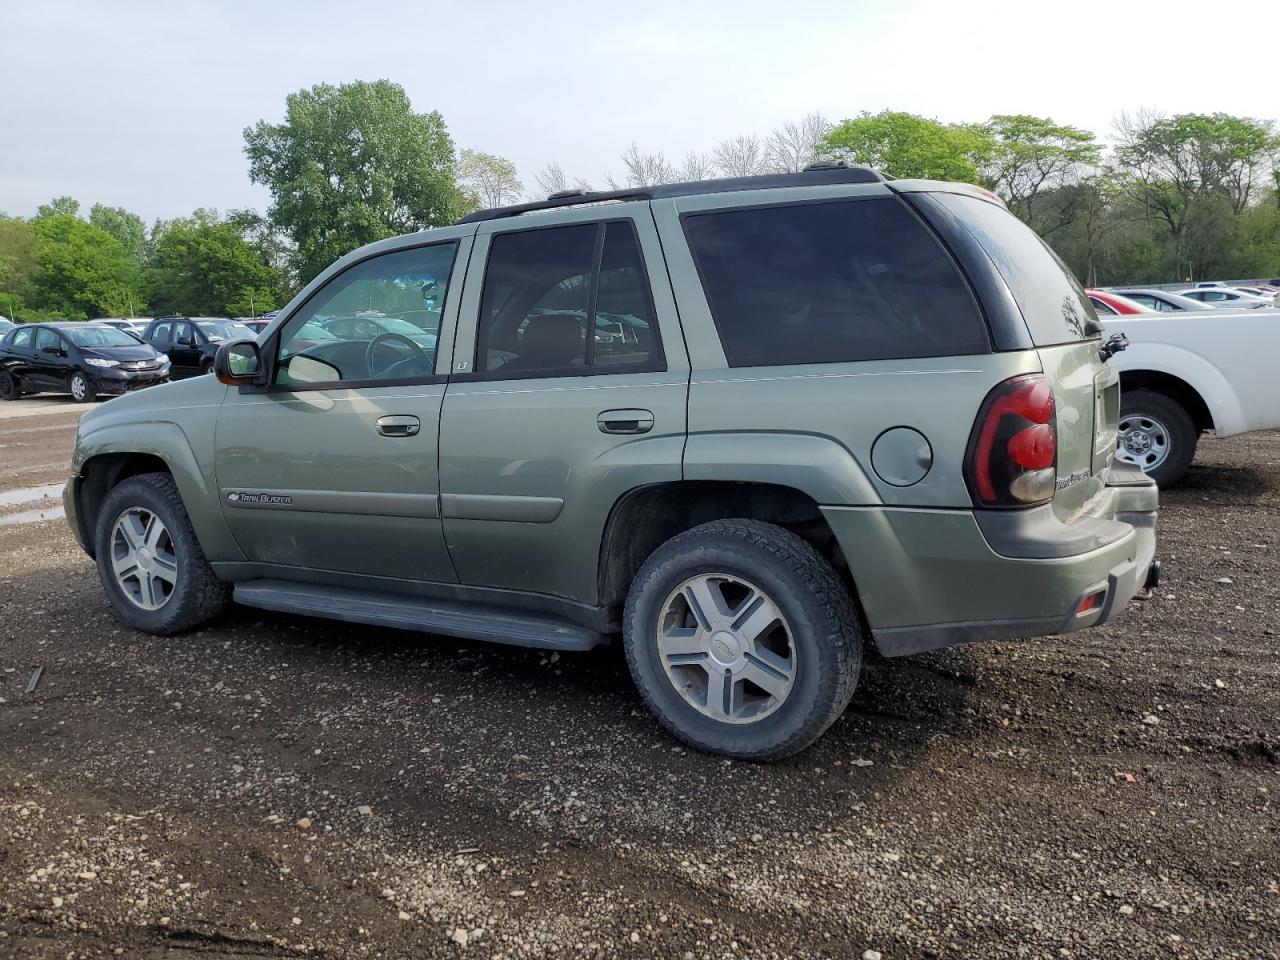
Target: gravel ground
(274, 786)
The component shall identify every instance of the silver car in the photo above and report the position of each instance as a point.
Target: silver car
(1227, 297)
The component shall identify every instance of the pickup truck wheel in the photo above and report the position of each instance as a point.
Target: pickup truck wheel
(9, 389)
(149, 561)
(81, 388)
(1156, 433)
(742, 639)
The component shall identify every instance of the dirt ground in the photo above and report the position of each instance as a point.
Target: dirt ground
(275, 786)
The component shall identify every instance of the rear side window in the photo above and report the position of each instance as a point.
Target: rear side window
(1052, 301)
(832, 282)
(545, 289)
(22, 339)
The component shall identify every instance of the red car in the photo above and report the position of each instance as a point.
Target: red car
(1110, 304)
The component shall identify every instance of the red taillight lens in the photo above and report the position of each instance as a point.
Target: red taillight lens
(1013, 450)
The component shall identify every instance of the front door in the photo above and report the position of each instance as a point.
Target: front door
(333, 467)
(568, 389)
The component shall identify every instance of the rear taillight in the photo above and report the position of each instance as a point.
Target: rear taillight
(1013, 451)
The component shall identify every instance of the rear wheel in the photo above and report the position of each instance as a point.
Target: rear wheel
(742, 639)
(81, 388)
(150, 563)
(1157, 434)
(9, 388)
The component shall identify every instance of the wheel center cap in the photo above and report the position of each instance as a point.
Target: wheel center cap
(725, 648)
(145, 558)
(1137, 442)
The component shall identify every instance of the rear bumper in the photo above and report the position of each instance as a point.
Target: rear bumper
(932, 578)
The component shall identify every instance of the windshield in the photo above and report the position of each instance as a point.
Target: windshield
(99, 336)
(226, 330)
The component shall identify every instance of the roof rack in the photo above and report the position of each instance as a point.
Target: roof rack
(816, 174)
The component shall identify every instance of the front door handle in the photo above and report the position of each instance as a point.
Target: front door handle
(399, 426)
(625, 421)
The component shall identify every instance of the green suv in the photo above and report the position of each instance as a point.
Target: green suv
(748, 425)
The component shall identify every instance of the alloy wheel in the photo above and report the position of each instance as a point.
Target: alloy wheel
(143, 559)
(79, 387)
(726, 648)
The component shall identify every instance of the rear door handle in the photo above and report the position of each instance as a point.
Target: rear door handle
(399, 426)
(625, 421)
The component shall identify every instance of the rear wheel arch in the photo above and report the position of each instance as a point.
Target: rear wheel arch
(644, 518)
(1175, 388)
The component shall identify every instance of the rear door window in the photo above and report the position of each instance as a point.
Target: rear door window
(1052, 301)
(22, 339)
(832, 282)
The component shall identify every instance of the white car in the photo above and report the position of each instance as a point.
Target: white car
(1228, 297)
(1185, 373)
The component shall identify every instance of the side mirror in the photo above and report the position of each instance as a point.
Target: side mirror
(55, 351)
(185, 341)
(239, 364)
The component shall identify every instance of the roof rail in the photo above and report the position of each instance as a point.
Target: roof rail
(816, 174)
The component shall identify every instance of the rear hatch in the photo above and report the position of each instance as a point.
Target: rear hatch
(1061, 321)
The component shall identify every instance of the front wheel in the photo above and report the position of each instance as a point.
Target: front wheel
(81, 388)
(742, 639)
(1157, 434)
(150, 563)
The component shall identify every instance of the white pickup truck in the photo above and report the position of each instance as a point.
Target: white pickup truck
(1184, 373)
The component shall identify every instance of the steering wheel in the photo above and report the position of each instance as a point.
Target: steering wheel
(387, 338)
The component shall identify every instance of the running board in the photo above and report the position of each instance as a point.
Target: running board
(447, 617)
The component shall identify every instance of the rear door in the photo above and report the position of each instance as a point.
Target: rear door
(1058, 315)
(569, 388)
(49, 366)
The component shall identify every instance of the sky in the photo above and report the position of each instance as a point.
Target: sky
(143, 104)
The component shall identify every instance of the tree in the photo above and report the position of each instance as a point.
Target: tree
(1033, 154)
(1173, 167)
(57, 207)
(696, 166)
(905, 145)
(81, 270)
(551, 179)
(644, 169)
(202, 264)
(126, 227)
(741, 156)
(352, 164)
(488, 180)
(17, 265)
(794, 146)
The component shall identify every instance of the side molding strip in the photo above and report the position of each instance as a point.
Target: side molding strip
(475, 506)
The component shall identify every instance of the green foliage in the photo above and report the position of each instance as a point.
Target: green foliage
(905, 145)
(487, 180)
(57, 207)
(202, 264)
(81, 270)
(1032, 154)
(126, 227)
(352, 164)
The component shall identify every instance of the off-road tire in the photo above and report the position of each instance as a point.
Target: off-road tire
(1182, 432)
(198, 596)
(89, 393)
(825, 629)
(9, 387)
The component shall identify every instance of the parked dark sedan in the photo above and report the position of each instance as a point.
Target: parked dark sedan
(191, 342)
(82, 359)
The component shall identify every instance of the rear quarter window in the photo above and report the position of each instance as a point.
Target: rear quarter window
(1053, 303)
(832, 282)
